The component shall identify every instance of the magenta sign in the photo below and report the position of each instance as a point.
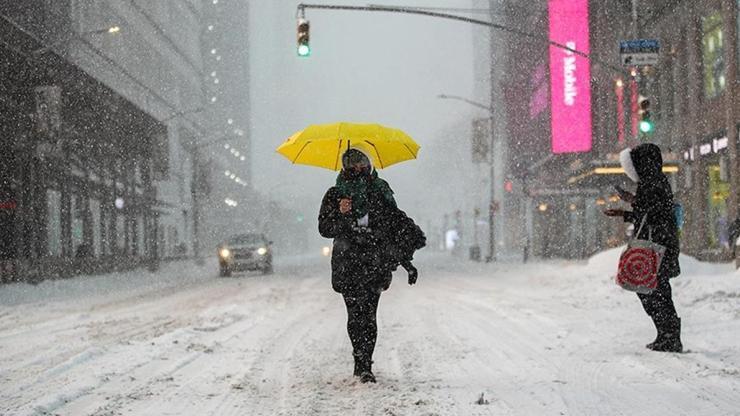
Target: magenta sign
(570, 77)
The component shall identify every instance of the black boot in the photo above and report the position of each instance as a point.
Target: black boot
(671, 341)
(358, 366)
(659, 337)
(366, 375)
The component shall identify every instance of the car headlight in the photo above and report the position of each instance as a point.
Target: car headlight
(326, 250)
(261, 251)
(224, 253)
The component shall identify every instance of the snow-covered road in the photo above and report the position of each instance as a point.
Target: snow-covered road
(469, 339)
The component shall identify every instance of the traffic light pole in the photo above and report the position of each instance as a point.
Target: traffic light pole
(301, 11)
(492, 204)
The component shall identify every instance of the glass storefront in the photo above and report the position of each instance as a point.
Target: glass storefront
(140, 235)
(53, 223)
(8, 206)
(78, 215)
(96, 228)
(717, 215)
(120, 233)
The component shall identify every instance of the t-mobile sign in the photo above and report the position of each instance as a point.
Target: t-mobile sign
(570, 77)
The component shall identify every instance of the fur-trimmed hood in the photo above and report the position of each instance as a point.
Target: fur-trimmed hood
(626, 161)
(642, 163)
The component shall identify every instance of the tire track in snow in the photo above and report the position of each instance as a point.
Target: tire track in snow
(180, 302)
(227, 392)
(273, 374)
(189, 382)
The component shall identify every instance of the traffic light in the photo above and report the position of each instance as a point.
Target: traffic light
(304, 50)
(646, 124)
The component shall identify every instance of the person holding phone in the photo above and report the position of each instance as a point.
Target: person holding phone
(653, 203)
(372, 237)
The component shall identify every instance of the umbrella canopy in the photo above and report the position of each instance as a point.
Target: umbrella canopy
(322, 145)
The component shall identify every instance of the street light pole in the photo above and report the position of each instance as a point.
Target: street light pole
(492, 204)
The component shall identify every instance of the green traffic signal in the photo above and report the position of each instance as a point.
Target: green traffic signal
(646, 126)
(304, 50)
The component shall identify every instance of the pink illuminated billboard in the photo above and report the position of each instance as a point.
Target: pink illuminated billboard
(570, 77)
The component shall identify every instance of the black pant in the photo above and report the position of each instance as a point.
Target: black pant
(362, 325)
(659, 304)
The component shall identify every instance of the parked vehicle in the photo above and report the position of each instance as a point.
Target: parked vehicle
(251, 251)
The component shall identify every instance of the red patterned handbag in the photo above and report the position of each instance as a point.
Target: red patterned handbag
(639, 264)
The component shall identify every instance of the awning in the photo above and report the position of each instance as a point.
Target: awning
(599, 172)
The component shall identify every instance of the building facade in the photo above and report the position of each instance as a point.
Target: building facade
(695, 87)
(99, 134)
(226, 53)
(156, 63)
(691, 92)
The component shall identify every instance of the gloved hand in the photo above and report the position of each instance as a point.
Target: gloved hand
(413, 275)
(387, 279)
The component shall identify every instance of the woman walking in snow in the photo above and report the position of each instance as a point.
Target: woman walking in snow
(371, 238)
(653, 202)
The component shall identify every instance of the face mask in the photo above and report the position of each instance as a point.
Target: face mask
(358, 171)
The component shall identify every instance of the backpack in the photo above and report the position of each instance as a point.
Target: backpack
(678, 215)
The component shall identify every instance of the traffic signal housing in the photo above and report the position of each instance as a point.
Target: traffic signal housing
(304, 49)
(646, 123)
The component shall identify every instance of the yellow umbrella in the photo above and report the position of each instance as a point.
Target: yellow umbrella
(322, 145)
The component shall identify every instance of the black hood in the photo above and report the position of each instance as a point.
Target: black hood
(647, 161)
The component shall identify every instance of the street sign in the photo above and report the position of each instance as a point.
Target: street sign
(639, 52)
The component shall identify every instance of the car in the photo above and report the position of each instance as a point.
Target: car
(250, 251)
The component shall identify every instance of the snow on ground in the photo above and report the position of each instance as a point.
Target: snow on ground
(555, 338)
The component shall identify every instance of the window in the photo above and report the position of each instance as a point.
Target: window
(713, 51)
(120, 233)
(717, 215)
(96, 226)
(141, 234)
(247, 239)
(54, 224)
(77, 226)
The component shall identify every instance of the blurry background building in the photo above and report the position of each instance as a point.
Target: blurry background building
(694, 91)
(111, 139)
(99, 170)
(692, 94)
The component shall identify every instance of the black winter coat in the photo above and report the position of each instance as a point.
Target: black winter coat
(364, 259)
(654, 198)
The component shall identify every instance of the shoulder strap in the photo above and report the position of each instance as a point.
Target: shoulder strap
(642, 224)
